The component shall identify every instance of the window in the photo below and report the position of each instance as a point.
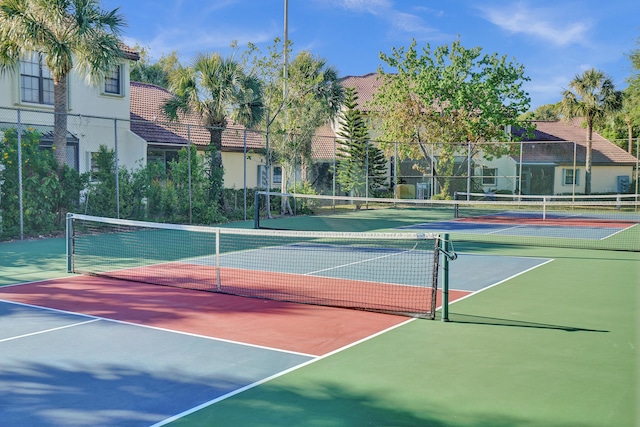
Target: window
(36, 81)
(112, 81)
(489, 176)
(93, 162)
(277, 175)
(568, 176)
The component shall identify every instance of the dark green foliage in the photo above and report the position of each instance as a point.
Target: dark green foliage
(361, 165)
(47, 196)
(177, 192)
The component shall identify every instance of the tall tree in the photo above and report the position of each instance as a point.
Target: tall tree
(69, 33)
(545, 112)
(361, 165)
(450, 96)
(631, 103)
(156, 73)
(591, 96)
(217, 89)
(313, 98)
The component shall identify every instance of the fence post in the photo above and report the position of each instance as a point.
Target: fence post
(115, 139)
(20, 192)
(189, 172)
(244, 170)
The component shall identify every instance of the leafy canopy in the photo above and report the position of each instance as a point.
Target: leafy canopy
(449, 94)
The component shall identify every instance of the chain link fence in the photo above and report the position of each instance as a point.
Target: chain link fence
(160, 171)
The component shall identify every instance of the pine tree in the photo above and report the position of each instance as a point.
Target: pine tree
(360, 163)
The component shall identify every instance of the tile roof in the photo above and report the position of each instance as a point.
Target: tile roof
(323, 145)
(553, 142)
(149, 121)
(130, 53)
(365, 87)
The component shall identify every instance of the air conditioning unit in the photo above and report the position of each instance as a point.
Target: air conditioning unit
(623, 184)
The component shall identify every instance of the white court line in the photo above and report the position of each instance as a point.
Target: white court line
(361, 261)
(498, 283)
(279, 374)
(619, 231)
(279, 350)
(48, 330)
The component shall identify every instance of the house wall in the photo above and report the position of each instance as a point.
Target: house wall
(560, 188)
(604, 179)
(94, 132)
(234, 169)
(86, 103)
(506, 173)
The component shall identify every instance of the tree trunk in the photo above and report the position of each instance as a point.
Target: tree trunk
(629, 134)
(216, 170)
(60, 120)
(587, 163)
(285, 206)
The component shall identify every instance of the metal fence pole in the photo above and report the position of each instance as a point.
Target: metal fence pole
(637, 165)
(189, 172)
(468, 168)
(366, 171)
(575, 172)
(115, 140)
(335, 171)
(20, 192)
(244, 171)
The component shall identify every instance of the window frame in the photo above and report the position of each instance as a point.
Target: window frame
(570, 176)
(44, 79)
(489, 180)
(113, 82)
(276, 177)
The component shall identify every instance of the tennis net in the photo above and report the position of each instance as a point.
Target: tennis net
(602, 222)
(387, 272)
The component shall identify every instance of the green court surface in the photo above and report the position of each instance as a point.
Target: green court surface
(32, 260)
(555, 346)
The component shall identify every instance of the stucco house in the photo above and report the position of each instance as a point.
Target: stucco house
(242, 149)
(128, 117)
(98, 114)
(552, 159)
(552, 162)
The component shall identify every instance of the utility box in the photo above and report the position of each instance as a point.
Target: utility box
(623, 184)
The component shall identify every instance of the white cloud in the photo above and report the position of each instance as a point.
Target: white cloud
(541, 23)
(386, 10)
(189, 43)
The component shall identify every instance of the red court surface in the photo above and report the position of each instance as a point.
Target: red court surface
(308, 329)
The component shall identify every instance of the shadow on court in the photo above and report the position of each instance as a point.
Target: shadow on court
(495, 321)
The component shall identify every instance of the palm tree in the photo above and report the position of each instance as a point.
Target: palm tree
(70, 33)
(216, 89)
(591, 96)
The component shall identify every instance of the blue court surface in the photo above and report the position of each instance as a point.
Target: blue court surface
(59, 368)
(63, 369)
(524, 230)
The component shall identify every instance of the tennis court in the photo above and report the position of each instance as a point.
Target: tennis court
(538, 336)
(560, 226)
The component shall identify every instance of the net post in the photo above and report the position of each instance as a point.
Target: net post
(445, 280)
(69, 241)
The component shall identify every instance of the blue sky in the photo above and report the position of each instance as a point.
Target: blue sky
(554, 40)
